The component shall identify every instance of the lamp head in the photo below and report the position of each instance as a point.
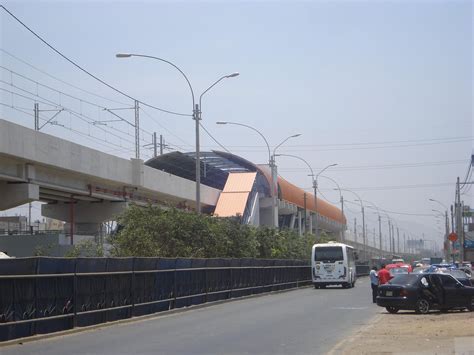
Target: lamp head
(296, 135)
(123, 55)
(233, 75)
(221, 122)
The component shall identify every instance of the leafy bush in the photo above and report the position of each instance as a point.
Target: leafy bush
(154, 231)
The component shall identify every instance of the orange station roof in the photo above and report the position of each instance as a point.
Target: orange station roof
(295, 195)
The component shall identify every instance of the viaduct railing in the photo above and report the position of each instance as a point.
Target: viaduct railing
(44, 295)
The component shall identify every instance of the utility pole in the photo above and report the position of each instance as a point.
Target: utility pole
(389, 236)
(154, 145)
(343, 237)
(398, 240)
(404, 244)
(380, 234)
(161, 144)
(393, 239)
(137, 130)
(363, 231)
(459, 226)
(355, 229)
(36, 110)
(305, 213)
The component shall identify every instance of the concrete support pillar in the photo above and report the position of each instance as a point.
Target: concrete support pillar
(87, 215)
(13, 195)
(300, 227)
(292, 221)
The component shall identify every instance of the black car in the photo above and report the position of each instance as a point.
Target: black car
(423, 292)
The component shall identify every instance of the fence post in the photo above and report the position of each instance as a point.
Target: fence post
(231, 282)
(132, 293)
(205, 282)
(74, 323)
(35, 313)
(174, 289)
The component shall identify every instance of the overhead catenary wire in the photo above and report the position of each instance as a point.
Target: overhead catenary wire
(214, 139)
(73, 112)
(82, 101)
(386, 166)
(60, 80)
(85, 71)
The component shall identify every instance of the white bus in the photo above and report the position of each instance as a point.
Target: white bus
(333, 264)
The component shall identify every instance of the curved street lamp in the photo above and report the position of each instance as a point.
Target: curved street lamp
(341, 199)
(196, 114)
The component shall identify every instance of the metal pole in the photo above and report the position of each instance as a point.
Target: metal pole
(316, 214)
(355, 229)
(343, 237)
(272, 192)
(71, 211)
(389, 236)
(155, 149)
(305, 213)
(196, 117)
(398, 240)
(364, 241)
(161, 144)
(380, 234)
(36, 110)
(137, 130)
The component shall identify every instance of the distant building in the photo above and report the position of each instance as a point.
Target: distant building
(13, 224)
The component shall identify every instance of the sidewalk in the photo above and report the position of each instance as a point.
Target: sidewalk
(410, 333)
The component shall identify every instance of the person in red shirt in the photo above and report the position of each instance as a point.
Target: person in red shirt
(383, 275)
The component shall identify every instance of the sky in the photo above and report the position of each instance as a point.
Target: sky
(383, 89)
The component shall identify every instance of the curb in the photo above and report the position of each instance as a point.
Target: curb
(39, 337)
(339, 347)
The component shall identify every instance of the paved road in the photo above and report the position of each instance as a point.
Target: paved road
(305, 321)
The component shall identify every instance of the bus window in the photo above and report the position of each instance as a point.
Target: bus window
(328, 254)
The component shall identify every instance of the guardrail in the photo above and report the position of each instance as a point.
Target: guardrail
(58, 293)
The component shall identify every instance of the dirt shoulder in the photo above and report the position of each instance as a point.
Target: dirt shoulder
(410, 333)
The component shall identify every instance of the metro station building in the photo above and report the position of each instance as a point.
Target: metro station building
(245, 192)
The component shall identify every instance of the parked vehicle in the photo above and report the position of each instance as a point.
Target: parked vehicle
(398, 271)
(424, 292)
(398, 266)
(333, 264)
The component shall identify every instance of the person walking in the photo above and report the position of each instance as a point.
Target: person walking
(384, 275)
(374, 283)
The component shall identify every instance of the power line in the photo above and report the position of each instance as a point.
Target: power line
(70, 96)
(362, 148)
(214, 139)
(386, 166)
(397, 187)
(362, 143)
(74, 113)
(84, 70)
(60, 80)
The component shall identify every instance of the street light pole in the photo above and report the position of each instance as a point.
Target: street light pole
(196, 115)
(315, 187)
(271, 163)
(341, 199)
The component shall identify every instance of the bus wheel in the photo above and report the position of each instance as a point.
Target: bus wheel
(316, 286)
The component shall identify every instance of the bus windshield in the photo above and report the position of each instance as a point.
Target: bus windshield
(328, 254)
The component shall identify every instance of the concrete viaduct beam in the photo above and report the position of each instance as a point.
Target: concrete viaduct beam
(15, 194)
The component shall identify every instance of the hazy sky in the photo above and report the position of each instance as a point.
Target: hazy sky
(384, 89)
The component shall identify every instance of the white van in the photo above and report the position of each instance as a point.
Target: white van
(333, 264)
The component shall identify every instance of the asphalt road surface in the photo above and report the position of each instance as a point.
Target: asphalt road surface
(305, 321)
